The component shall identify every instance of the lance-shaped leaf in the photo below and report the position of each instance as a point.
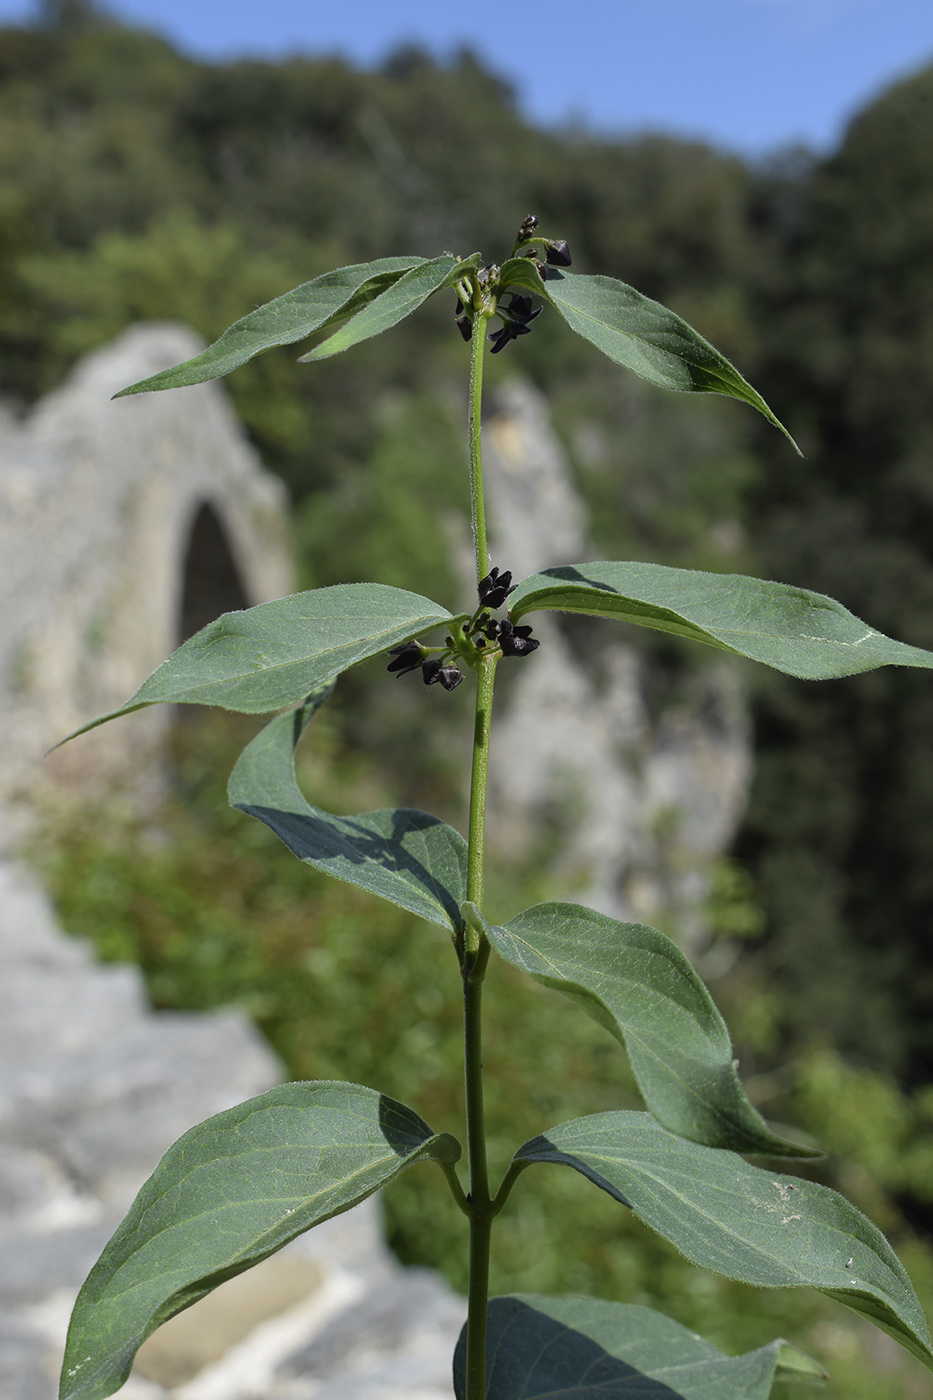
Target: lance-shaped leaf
(639, 985)
(408, 857)
(641, 334)
(589, 1349)
(394, 304)
(313, 306)
(802, 633)
(229, 1193)
(753, 1225)
(275, 654)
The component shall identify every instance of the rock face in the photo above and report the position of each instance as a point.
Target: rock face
(93, 1088)
(124, 526)
(641, 802)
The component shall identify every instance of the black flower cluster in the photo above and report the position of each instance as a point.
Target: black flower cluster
(518, 315)
(514, 641)
(493, 591)
(477, 633)
(410, 656)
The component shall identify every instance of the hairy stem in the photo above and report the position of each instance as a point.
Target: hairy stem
(476, 946)
(478, 782)
(480, 1204)
(477, 346)
(475, 957)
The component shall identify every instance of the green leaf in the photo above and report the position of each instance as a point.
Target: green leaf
(229, 1193)
(275, 654)
(802, 633)
(756, 1226)
(637, 983)
(394, 304)
(313, 306)
(589, 1349)
(641, 334)
(408, 857)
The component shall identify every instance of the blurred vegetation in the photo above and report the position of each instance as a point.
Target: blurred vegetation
(216, 911)
(136, 182)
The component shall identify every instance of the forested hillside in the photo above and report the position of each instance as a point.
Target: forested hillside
(135, 182)
(840, 827)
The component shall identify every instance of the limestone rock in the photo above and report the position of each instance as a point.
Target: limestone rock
(123, 526)
(94, 1087)
(640, 801)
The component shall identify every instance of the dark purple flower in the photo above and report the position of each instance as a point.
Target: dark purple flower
(517, 318)
(522, 309)
(434, 670)
(464, 322)
(501, 337)
(407, 658)
(516, 641)
(494, 588)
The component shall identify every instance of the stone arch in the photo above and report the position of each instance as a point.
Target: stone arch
(210, 579)
(122, 524)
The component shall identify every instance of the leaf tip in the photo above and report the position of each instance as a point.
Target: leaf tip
(795, 1365)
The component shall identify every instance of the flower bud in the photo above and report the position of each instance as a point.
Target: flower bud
(527, 229)
(558, 253)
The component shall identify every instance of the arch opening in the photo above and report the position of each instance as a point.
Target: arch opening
(211, 582)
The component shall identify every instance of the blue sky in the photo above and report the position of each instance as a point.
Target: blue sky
(754, 75)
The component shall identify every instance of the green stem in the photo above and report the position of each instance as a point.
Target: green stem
(475, 957)
(475, 947)
(480, 1204)
(478, 782)
(477, 347)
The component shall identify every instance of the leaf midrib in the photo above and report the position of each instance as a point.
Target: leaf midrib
(717, 372)
(252, 1200)
(668, 1069)
(695, 1209)
(698, 627)
(418, 625)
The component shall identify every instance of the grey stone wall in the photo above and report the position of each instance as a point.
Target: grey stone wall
(94, 1087)
(98, 503)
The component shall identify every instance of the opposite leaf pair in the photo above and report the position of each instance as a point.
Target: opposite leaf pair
(236, 1188)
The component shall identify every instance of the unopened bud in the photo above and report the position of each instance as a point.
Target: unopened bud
(527, 229)
(558, 253)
